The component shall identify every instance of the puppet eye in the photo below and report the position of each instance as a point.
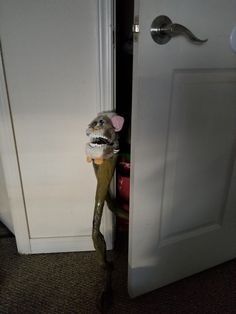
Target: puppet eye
(101, 122)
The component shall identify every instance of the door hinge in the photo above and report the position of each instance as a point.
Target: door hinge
(136, 28)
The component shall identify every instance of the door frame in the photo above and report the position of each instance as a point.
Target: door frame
(11, 167)
(8, 145)
(106, 86)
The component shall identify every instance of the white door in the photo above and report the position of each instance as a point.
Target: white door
(183, 200)
(54, 63)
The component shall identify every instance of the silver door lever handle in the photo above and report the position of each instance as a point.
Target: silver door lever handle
(162, 30)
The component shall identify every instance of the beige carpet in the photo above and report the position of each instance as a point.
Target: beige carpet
(68, 283)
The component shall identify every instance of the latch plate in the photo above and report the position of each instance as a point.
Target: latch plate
(136, 28)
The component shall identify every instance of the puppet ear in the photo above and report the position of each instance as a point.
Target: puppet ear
(117, 122)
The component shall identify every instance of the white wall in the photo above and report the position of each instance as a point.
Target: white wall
(51, 57)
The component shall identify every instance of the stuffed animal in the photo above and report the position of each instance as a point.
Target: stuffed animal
(102, 132)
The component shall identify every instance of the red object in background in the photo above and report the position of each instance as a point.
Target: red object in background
(124, 181)
(123, 188)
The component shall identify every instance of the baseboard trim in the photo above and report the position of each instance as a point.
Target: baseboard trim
(61, 244)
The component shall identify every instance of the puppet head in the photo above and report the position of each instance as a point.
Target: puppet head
(102, 132)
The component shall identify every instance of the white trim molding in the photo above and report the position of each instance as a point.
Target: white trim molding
(11, 168)
(62, 244)
(106, 90)
(106, 55)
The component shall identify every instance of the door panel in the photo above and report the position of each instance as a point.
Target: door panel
(183, 215)
(201, 151)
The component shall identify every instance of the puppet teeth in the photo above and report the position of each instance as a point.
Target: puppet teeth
(96, 136)
(93, 144)
(97, 145)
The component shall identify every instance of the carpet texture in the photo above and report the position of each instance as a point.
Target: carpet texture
(68, 283)
(4, 232)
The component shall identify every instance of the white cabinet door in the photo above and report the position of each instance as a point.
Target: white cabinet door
(183, 200)
(51, 55)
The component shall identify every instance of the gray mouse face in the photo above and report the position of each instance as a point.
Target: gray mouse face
(101, 132)
(103, 138)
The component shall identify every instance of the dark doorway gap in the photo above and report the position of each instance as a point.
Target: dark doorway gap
(124, 67)
(124, 75)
